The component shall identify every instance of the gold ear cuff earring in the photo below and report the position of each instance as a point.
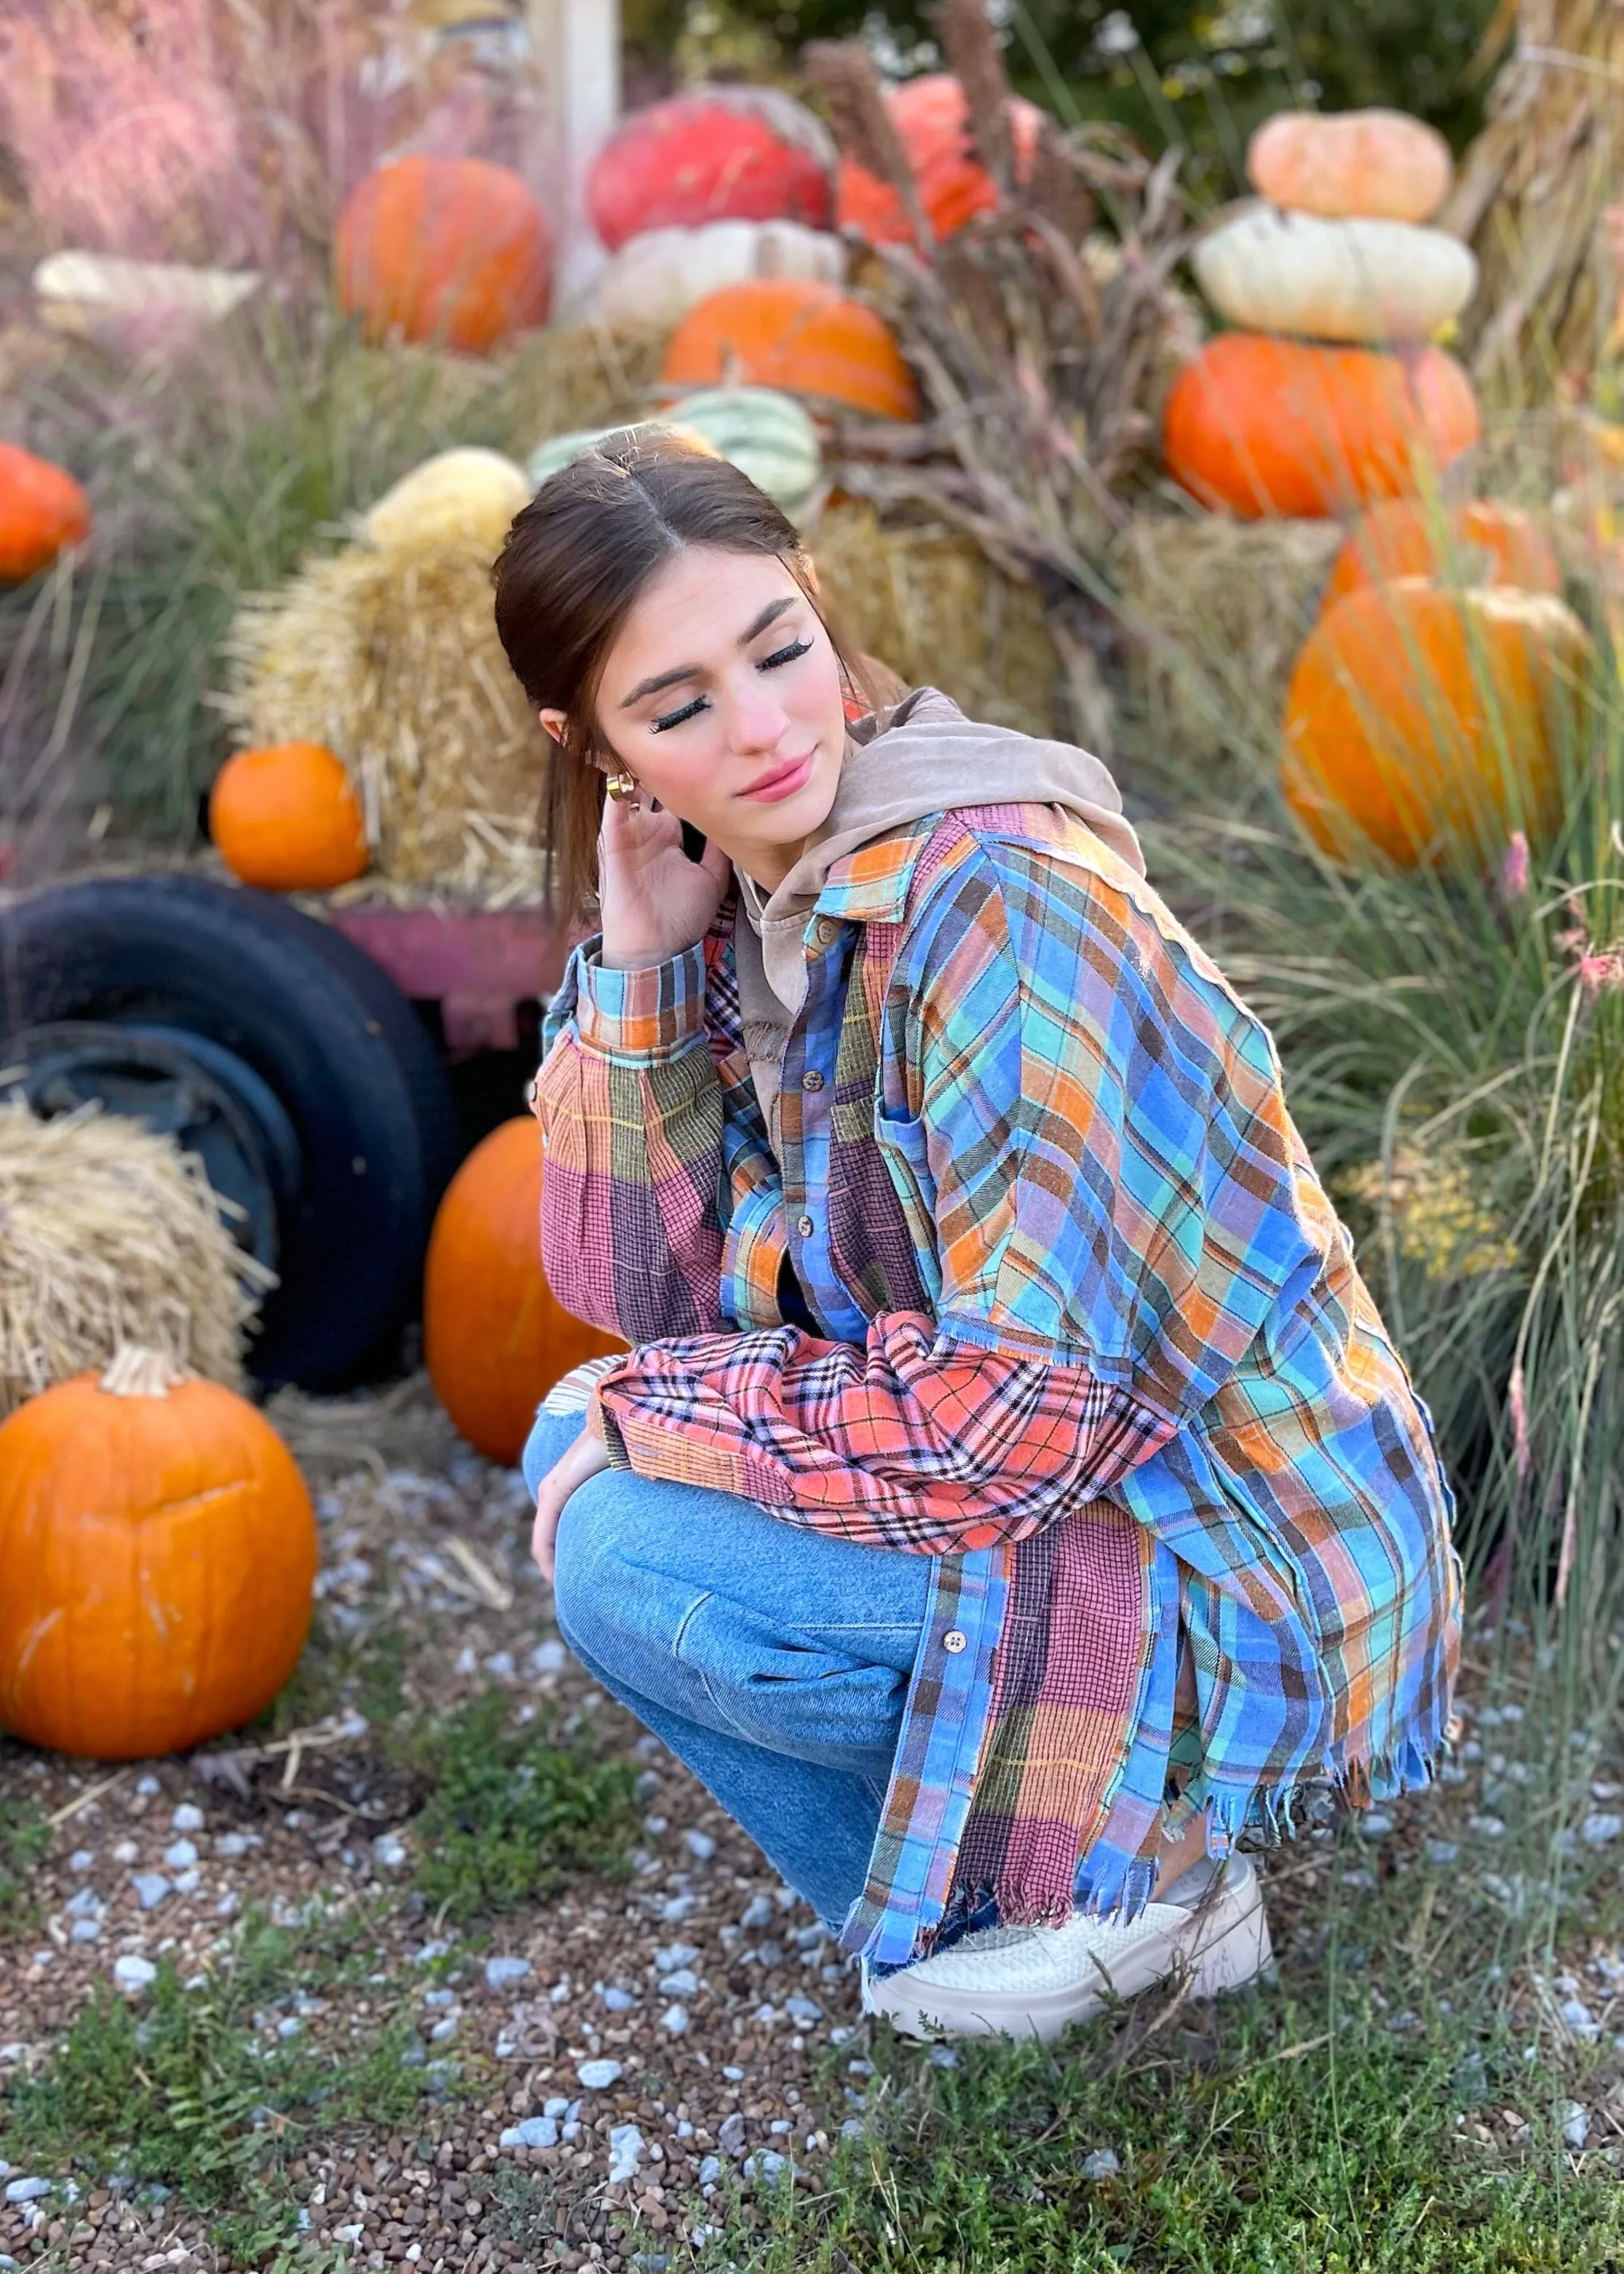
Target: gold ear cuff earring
(622, 787)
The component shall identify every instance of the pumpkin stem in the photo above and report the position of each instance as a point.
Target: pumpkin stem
(136, 1371)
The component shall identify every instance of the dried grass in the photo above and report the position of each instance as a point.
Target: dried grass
(578, 376)
(1216, 610)
(111, 1235)
(391, 659)
(927, 601)
(405, 1426)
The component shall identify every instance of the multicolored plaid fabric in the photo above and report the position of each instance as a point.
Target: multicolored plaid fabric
(1094, 1339)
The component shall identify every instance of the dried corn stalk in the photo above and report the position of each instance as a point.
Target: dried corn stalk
(1040, 351)
(1532, 192)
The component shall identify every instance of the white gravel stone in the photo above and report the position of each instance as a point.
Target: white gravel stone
(180, 1855)
(700, 1846)
(615, 1999)
(758, 1915)
(498, 1972)
(81, 1859)
(187, 1817)
(389, 1852)
(674, 2020)
(1599, 1829)
(85, 1929)
(85, 1904)
(675, 1956)
(626, 2148)
(26, 2191)
(772, 2169)
(534, 2132)
(1575, 2124)
(598, 2075)
(683, 1983)
(730, 2135)
(710, 2170)
(145, 1787)
(804, 2010)
(1101, 2164)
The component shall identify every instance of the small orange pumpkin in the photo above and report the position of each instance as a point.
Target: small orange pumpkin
(158, 1549)
(455, 251)
(286, 819)
(1277, 426)
(42, 511)
(1411, 536)
(1421, 717)
(494, 1338)
(803, 338)
(1350, 165)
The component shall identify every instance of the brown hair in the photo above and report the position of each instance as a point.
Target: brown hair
(574, 563)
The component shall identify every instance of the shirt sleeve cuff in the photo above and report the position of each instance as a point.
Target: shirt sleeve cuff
(641, 1016)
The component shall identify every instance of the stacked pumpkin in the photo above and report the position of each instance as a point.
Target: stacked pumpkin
(1329, 393)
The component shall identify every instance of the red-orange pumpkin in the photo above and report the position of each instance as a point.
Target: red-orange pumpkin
(1413, 537)
(285, 818)
(932, 118)
(494, 1339)
(159, 1550)
(719, 153)
(42, 511)
(1423, 718)
(1278, 426)
(803, 338)
(452, 251)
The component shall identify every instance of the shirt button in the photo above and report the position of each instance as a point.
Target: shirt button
(954, 1641)
(804, 1226)
(824, 930)
(812, 1079)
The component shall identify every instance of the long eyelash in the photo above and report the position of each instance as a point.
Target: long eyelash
(768, 663)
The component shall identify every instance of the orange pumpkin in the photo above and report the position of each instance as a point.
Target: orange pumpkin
(1421, 717)
(1278, 426)
(1352, 165)
(452, 251)
(494, 1339)
(1411, 536)
(42, 511)
(158, 1549)
(286, 819)
(803, 338)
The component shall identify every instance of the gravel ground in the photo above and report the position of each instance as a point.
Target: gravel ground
(630, 2046)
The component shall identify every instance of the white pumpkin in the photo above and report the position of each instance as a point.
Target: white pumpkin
(1352, 281)
(655, 278)
(465, 494)
(561, 450)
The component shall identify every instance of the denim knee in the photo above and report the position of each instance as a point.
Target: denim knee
(589, 1567)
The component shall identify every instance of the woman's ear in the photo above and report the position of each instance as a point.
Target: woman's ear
(556, 723)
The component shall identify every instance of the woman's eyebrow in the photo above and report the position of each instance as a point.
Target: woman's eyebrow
(657, 686)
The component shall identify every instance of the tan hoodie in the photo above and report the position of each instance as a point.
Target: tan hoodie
(930, 759)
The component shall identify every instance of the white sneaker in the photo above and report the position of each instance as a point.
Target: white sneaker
(1035, 1982)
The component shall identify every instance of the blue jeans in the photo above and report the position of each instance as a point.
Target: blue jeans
(773, 1661)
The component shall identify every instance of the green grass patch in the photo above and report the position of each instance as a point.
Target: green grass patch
(24, 1835)
(514, 1811)
(1328, 2125)
(198, 2090)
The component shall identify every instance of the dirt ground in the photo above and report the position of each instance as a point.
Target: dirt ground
(601, 2069)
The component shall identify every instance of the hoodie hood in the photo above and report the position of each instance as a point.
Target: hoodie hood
(927, 758)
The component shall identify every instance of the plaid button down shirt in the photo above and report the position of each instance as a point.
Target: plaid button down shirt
(1094, 1340)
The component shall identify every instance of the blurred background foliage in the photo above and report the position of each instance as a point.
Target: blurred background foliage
(1200, 77)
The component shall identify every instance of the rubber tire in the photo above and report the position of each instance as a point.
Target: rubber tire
(333, 1038)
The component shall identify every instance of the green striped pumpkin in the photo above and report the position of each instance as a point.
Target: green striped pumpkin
(765, 434)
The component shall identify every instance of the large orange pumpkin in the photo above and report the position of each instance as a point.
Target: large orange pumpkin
(42, 511)
(494, 1338)
(285, 818)
(803, 338)
(1415, 536)
(1278, 426)
(452, 251)
(1421, 718)
(932, 118)
(159, 1550)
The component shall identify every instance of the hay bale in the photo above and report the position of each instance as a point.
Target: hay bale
(112, 1235)
(1216, 610)
(927, 601)
(580, 375)
(390, 657)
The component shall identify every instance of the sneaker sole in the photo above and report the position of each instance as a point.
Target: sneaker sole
(1225, 1947)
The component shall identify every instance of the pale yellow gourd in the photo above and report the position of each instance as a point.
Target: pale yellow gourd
(1374, 165)
(463, 495)
(1356, 281)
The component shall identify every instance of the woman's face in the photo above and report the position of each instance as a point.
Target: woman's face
(723, 695)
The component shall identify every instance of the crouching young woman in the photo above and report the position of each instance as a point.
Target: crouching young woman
(1010, 1494)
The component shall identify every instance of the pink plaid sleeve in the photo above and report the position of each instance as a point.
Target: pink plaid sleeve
(910, 1443)
(630, 1108)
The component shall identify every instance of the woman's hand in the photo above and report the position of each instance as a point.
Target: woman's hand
(583, 1459)
(655, 900)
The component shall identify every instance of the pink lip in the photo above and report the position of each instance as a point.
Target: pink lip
(784, 783)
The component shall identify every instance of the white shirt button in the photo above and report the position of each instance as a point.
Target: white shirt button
(954, 1641)
(804, 1226)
